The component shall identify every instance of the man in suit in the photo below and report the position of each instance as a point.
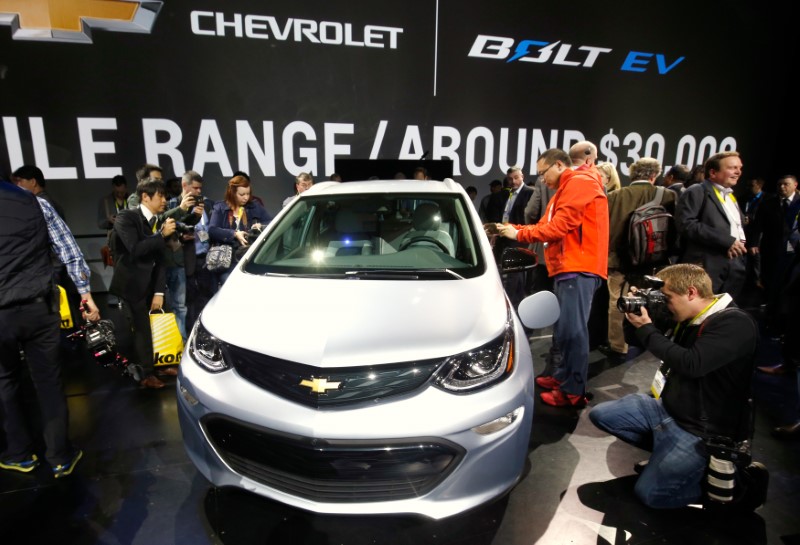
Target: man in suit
(139, 277)
(513, 203)
(769, 238)
(483, 210)
(711, 225)
(144, 172)
(676, 177)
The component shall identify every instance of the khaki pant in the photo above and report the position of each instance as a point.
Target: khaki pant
(616, 337)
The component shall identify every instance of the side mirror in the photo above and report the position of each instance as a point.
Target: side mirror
(539, 310)
(518, 260)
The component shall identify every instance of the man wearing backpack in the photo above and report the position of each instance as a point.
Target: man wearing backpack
(623, 267)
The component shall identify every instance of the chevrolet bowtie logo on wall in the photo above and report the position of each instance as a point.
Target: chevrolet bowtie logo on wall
(320, 385)
(73, 20)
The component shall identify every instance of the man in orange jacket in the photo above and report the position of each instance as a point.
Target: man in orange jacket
(574, 230)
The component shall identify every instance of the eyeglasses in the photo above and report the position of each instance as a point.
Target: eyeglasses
(542, 173)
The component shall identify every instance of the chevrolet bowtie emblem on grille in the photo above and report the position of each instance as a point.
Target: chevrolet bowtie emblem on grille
(73, 20)
(319, 385)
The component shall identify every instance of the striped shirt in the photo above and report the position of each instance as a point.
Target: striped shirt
(65, 247)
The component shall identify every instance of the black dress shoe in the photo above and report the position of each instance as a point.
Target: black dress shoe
(612, 355)
(788, 431)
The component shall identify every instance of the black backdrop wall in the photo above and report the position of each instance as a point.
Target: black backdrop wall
(276, 88)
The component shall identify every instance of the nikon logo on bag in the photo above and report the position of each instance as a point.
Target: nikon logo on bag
(167, 340)
(167, 359)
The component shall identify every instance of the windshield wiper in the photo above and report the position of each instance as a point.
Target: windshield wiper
(400, 274)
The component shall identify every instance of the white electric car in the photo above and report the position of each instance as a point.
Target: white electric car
(362, 357)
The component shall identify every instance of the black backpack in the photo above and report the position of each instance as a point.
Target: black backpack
(651, 233)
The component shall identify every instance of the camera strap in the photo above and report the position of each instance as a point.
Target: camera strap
(660, 378)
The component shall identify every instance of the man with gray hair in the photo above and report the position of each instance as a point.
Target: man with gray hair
(187, 210)
(621, 204)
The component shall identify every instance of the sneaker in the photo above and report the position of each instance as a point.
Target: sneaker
(548, 383)
(25, 466)
(62, 470)
(557, 398)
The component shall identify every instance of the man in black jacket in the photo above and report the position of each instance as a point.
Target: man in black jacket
(701, 391)
(139, 275)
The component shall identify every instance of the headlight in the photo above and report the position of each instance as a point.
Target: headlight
(481, 367)
(206, 349)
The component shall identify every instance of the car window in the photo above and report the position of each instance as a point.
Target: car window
(337, 234)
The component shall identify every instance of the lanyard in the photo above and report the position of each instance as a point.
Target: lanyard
(679, 326)
(721, 198)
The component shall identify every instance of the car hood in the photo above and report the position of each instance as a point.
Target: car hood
(351, 322)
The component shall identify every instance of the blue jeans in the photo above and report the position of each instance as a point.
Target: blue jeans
(673, 476)
(569, 354)
(176, 296)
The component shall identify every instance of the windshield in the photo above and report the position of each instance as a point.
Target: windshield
(394, 234)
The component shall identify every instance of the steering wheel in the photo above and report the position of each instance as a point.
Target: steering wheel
(422, 238)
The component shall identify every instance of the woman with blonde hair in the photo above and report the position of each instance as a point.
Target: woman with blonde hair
(610, 176)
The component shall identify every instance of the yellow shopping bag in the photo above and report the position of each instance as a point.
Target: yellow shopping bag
(167, 340)
(66, 312)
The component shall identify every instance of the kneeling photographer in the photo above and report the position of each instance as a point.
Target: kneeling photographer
(700, 397)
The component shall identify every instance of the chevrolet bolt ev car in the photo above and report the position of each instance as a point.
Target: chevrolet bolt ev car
(363, 357)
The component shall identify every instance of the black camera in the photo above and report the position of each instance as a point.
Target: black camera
(252, 235)
(650, 298)
(101, 343)
(183, 229)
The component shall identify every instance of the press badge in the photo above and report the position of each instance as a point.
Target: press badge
(658, 382)
(202, 235)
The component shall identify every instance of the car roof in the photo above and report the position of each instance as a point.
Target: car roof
(448, 185)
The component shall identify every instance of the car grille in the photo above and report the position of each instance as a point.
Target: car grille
(316, 387)
(336, 471)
